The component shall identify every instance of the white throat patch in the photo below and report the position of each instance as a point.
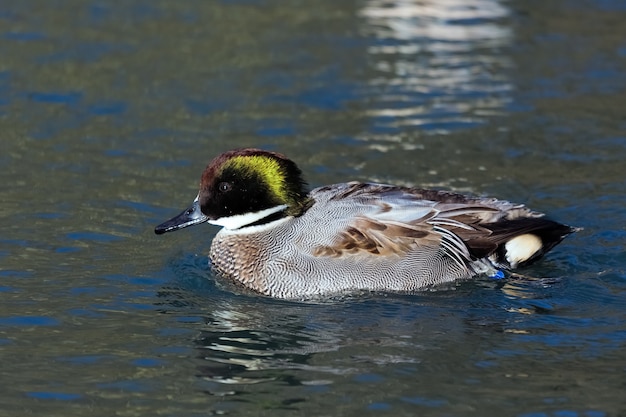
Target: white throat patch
(240, 220)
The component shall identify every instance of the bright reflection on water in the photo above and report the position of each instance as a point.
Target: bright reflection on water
(109, 111)
(439, 63)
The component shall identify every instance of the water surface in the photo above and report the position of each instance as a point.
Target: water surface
(109, 111)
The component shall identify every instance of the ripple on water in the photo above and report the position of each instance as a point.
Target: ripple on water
(437, 65)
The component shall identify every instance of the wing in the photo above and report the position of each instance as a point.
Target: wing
(393, 220)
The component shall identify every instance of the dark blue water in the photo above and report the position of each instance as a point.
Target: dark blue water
(109, 112)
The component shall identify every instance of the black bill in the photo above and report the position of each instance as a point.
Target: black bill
(193, 215)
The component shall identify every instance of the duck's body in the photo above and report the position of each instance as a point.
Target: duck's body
(281, 241)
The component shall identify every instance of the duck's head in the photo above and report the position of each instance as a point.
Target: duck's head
(244, 187)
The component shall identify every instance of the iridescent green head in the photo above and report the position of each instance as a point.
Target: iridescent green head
(245, 187)
(250, 180)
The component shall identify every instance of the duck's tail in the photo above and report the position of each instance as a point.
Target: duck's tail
(518, 242)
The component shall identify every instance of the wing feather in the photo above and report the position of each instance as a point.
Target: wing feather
(390, 220)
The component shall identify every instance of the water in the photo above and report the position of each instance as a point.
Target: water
(110, 110)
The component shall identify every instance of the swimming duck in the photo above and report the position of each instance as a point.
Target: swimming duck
(283, 241)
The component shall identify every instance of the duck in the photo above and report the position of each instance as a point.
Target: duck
(281, 240)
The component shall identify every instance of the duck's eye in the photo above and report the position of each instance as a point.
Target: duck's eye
(224, 186)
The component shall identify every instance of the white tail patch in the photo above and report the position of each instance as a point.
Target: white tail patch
(521, 248)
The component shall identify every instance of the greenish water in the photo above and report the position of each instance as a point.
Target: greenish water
(110, 110)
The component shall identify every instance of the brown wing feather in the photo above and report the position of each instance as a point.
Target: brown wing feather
(466, 228)
(380, 238)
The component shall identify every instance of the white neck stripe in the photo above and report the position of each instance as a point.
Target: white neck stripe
(240, 220)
